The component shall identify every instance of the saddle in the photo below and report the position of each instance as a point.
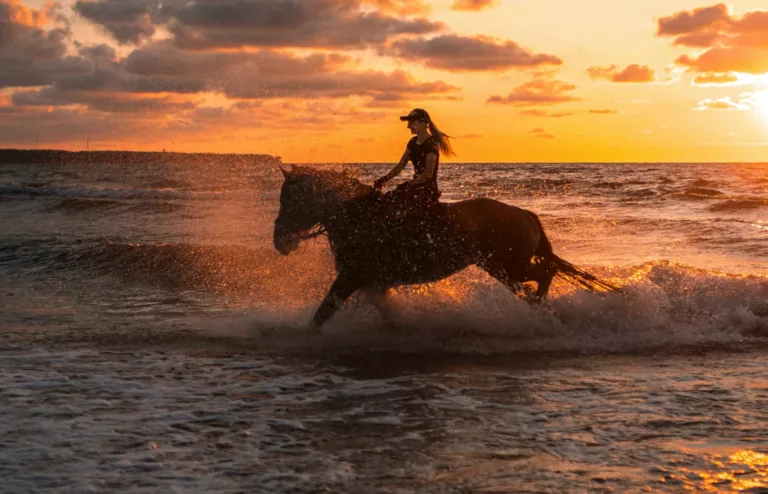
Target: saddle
(405, 203)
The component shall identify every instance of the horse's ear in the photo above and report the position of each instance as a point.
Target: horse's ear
(286, 173)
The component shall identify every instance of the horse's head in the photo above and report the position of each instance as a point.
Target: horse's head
(306, 198)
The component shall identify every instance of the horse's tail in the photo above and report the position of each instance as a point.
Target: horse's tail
(560, 266)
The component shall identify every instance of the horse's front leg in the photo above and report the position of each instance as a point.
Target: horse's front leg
(341, 289)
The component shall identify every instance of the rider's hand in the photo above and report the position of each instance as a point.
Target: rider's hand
(379, 183)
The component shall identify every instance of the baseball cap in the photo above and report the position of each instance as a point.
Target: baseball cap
(416, 114)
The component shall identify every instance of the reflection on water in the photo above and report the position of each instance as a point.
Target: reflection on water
(745, 469)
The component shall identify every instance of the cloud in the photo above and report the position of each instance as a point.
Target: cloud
(697, 40)
(715, 79)
(461, 53)
(98, 53)
(722, 104)
(745, 101)
(161, 69)
(65, 125)
(101, 101)
(603, 111)
(201, 25)
(472, 5)
(30, 55)
(400, 7)
(335, 85)
(537, 92)
(540, 133)
(734, 59)
(631, 73)
(59, 126)
(127, 21)
(543, 113)
(731, 43)
(697, 20)
(306, 115)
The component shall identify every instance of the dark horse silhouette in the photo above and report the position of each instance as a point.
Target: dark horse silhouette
(378, 246)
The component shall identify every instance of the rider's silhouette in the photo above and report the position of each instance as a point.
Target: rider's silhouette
(423, 150)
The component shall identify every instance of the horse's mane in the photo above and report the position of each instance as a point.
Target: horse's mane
(341, 183)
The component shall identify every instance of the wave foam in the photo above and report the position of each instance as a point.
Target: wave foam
(664, 305)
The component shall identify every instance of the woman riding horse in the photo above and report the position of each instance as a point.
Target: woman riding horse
(507, 242)
(423, 150)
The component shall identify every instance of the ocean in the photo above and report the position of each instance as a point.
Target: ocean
(152, 339)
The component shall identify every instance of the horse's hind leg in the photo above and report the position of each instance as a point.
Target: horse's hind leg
(378, 297)
(542, 274)
(509, 273)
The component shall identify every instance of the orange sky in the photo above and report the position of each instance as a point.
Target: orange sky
(324, 80)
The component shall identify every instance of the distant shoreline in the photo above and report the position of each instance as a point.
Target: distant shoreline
(57, 156)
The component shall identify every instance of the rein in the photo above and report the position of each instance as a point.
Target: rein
(315, 231)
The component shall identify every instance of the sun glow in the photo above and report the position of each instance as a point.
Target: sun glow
(759, 102)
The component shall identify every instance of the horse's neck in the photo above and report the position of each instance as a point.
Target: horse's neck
(349, 218)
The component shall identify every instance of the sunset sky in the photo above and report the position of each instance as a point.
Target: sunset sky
(325, 80)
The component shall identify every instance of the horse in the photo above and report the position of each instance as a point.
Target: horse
(377, 247)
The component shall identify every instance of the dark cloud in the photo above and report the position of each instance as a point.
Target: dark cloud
(316, 115)
(259, 23)
(31, 55)
(537, 92)
(603, 111)
(163, 68)
(98, 53)
(127, 21)
(63, 126)
(102, 101)
(686, 22)
(164, 59)
(472, 5)
(460, 53)
(269, 74)
(631, 73)
(335, 84)
(733, 44)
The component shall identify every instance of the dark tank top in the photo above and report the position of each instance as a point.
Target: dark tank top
(418, 156)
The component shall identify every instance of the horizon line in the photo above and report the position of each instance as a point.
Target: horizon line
(628, 162)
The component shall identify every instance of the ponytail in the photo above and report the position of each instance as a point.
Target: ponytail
(440, 137)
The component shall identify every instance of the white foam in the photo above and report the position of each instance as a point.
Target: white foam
(662, 305)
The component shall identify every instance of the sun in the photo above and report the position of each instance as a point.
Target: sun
(758, 100)
(759, 103)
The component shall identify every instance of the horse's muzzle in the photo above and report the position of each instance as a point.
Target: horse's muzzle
(285, 242)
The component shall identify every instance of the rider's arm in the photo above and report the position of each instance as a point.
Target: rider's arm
(399, 167)
(429, 170)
